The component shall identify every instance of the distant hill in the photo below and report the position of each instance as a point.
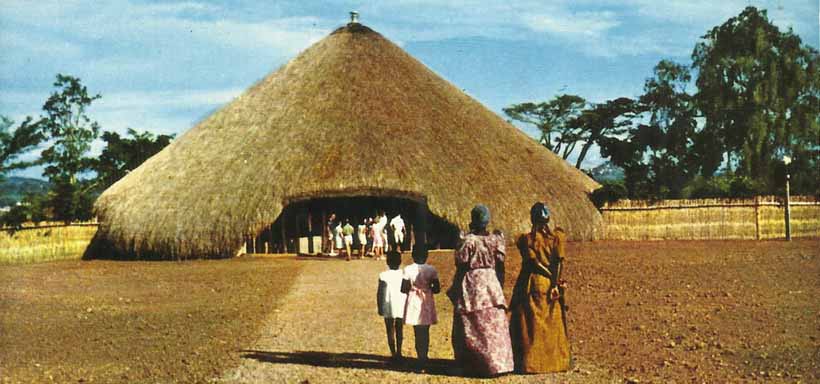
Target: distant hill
(607, 172)
(12, 189)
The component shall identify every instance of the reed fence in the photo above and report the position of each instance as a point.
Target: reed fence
(762, 217)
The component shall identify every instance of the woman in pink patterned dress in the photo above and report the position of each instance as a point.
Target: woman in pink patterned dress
(481, 338)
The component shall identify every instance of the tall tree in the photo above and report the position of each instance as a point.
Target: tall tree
(70, 132)
(552, 119)
(603, 122)
(758, 89)
(123, 154)
(15, 142)
(656, 154)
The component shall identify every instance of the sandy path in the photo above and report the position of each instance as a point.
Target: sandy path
(328, 331)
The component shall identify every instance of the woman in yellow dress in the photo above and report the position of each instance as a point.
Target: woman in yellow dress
(538, 324)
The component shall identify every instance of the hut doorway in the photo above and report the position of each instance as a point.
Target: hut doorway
(302, 225)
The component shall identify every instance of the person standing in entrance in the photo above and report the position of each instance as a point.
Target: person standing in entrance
(538, 325)
(338, 239)
(379, 239)
(328, 238)
(361, 234)
(369, 248)
(347, 231)
(397, 226)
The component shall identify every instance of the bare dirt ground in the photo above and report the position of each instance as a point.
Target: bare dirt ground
(641, 312)
(328, 331)
(687, 311)
(125, 322)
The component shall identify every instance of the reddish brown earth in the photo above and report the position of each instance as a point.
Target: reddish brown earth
(107, 321)
(687, 311)
(712, 311)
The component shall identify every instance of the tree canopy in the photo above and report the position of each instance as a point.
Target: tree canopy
(553, 119)
(756, 98)
(759, 93)
(123, 154)
(656, 151)
(70, 133)
(16, 142)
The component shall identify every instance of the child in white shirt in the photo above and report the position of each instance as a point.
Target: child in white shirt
(391, 302)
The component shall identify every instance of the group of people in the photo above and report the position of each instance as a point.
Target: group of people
(485, 341)
(374, 236)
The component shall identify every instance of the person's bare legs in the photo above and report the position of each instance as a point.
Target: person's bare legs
(389, 326)
(422, 344)
(399, 337)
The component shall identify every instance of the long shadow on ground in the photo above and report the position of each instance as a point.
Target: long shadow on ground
(349, 360)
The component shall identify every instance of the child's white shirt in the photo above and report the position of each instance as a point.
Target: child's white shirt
(392, 303)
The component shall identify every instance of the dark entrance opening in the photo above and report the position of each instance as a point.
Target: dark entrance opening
(301, 227)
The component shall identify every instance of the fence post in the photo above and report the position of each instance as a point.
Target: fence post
(788, 212)
(284, 235)
(757, 217)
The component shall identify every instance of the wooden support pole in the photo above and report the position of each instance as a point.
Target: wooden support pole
(283, 222)
(412, 237)
(757, 217)
(422, 222)
(298, 231)
(310, 231)
(270, 239)
(788, 212)
(324, 230)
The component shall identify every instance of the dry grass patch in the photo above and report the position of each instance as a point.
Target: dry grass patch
(34, 245)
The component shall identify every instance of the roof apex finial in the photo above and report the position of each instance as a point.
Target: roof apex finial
(354, 17)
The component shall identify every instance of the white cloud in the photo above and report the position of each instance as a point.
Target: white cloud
(595, 27)
(156, 123)
(158, 100)
(12, 41)
(289, 36)
(701, 15)
(156, 26)
(586, 28)
(174, 8)
(579, 23)
(117, 111)
(687, 11)
(18, 99)
(162, 111)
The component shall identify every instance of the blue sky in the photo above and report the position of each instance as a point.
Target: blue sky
(161, 66)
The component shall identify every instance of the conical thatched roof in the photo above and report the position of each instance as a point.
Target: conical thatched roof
(353, 115)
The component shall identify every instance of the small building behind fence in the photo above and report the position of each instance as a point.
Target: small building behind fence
(762, 217)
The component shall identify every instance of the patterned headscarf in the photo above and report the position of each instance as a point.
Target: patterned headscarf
(480, 216)
(539, 213)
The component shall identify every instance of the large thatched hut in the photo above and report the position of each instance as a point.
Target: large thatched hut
(353, 122)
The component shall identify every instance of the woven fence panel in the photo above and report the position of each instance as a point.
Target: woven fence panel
(756, 218)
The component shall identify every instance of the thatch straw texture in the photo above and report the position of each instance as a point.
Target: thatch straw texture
(353, 115)
(758, 218)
